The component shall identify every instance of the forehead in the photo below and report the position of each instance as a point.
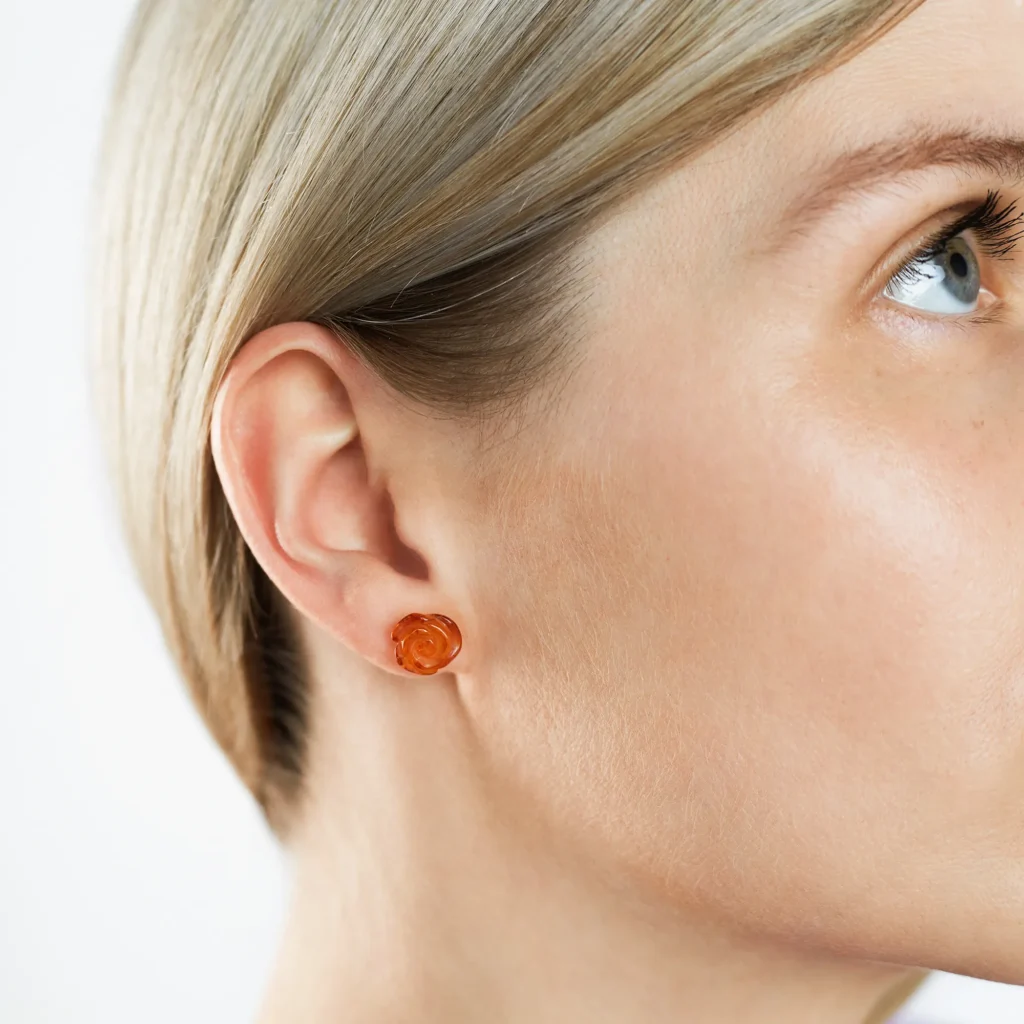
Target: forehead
(950, 64)
(948, 61)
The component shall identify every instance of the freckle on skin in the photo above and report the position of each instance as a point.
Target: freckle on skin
(981, 423)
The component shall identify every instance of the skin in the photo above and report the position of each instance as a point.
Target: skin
(737, 729)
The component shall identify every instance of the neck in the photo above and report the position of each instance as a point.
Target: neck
(420, 896)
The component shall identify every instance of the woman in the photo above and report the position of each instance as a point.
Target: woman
(575, 452)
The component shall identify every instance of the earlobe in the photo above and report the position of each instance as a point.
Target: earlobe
(286, 448)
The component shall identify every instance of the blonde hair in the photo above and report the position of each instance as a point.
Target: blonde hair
(412, 174)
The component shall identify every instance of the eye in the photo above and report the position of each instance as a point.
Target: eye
(944, 274)
(945, 282)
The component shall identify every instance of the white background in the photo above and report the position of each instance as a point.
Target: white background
(138, 883)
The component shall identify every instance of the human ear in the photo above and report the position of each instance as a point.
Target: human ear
(289, 453)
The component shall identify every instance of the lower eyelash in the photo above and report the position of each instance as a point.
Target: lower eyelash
(994, 314)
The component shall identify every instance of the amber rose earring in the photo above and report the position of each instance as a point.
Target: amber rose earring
(425, 643)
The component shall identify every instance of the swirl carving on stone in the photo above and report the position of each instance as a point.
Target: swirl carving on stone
(425, 643)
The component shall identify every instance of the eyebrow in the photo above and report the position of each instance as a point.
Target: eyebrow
(920, 148)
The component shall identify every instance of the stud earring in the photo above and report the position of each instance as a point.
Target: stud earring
(425, 643)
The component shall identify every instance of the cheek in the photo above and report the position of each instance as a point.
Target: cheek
(844, 595)
(764, 658)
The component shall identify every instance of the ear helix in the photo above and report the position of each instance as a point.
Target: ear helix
(425, 643)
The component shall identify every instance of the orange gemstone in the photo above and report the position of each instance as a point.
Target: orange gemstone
(426, 643)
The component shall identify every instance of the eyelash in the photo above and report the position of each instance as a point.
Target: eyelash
(997, 239)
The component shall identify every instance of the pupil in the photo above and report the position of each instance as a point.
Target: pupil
(958, 264)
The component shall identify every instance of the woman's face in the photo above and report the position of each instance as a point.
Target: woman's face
(752, 606)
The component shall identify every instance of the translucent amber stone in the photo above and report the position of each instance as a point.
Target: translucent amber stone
(426, 643)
